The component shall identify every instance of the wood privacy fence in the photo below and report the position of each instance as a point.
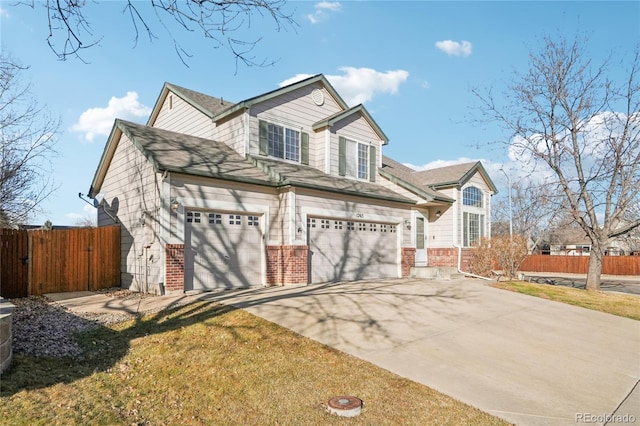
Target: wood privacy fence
(613, 265)
(35, 262)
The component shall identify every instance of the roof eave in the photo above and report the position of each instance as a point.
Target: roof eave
(412, 188)
(105, 160)
(330, 121)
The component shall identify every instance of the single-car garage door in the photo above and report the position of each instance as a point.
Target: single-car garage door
(343, 250)
(222, 250)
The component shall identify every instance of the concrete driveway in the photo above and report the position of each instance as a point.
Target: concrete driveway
(527, 360)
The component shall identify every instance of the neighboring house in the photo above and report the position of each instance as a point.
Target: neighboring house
(289, 187)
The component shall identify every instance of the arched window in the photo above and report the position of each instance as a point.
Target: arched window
(472, 196)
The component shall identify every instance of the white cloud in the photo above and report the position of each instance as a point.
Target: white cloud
(359, 85)
(4, 13)
(425, 84)
(294, 79)
(88, 215)
(455, 48)
(99, 121)
(444, 163)
(322, 10)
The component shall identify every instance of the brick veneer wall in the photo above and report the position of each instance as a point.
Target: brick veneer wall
(174, 272)
(408, 260)
(448, 257)
(287, 265)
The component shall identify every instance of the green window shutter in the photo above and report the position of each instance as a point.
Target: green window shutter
(264, 138)
(304, 148)
(342, 156)
(373, 162)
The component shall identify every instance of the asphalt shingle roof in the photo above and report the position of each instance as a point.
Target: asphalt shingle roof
(192, 155)
(410, 176)
(310, 177)
(209, 105)
(177, 152)
(444, 175)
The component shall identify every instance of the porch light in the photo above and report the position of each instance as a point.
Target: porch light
(175, 204)
(438, 214)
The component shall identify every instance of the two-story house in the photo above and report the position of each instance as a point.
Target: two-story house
(289, 187)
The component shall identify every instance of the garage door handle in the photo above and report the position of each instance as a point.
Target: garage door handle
(226, 256)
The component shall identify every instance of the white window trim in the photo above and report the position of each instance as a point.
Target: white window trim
(357, 143)
(285, 127)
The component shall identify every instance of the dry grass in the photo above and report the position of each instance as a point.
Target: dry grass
(210, 364)
(612, 303)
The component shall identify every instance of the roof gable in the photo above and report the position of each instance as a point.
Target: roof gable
(454, 175)
(208, 105)
(358, 109)
(246, 104)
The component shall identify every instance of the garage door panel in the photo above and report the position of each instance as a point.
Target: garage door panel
(225, 251)
(346, 250)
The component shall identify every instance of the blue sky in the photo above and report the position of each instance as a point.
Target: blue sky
(411, 63)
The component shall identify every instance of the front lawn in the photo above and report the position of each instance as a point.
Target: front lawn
(208, 364)
(612, 303)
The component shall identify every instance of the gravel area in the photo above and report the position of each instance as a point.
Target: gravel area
(42, 327)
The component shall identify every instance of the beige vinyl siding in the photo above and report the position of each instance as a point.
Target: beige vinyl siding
(350, 207)
(355, 128)
(398, 189)
(441, 229)
(295, 110)
(232, 132)
(183, 118)
(131, 189)
(219, 195)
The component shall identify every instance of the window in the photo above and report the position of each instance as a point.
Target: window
(283, 142)
(357, 160)
(193, 217)
(215, 218)
(472, 196)
(473, 229)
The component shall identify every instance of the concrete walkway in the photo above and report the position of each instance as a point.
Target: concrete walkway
(527, 360)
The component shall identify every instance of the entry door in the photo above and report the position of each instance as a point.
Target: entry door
(420, 236)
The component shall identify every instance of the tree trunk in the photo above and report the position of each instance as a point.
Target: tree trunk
(595, 268)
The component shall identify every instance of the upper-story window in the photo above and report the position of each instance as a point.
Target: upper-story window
(472, 196)
(284, 142)
(356, 159)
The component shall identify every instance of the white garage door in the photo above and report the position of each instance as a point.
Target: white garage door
(222, 250)
(343, 250)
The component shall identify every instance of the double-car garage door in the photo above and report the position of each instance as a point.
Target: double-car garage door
(342, 250)
(222, 250)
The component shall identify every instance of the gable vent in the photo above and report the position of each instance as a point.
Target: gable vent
(317, 96)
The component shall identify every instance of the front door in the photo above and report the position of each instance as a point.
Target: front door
(420, 236)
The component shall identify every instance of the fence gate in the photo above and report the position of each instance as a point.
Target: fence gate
(37, 261)
(14, 266)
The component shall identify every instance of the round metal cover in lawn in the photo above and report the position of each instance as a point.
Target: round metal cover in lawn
(345, 406)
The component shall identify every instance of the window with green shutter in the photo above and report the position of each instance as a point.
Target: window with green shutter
(283, 142)
(355, 159)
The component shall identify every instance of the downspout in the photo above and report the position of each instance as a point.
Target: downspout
(456, 222)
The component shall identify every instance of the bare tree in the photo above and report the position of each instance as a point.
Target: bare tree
(70, 30)
(567, 116)
(27, 139)
(534, 207)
